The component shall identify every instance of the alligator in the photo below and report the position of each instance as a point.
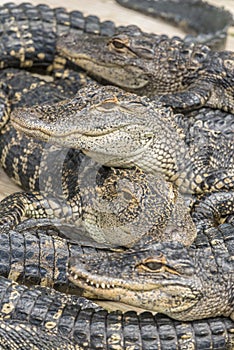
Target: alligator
(24, 282)
(89, 195)
(37, 256)
(210, 26)
(23, 58)
(121, 129)
(37, 252)
(184, 283)
(41, 318)
(39, 33)
(179, 74)
(122, 208)
(29, 33)
(130, 214)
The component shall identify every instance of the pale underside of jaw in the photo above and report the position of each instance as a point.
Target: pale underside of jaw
(149, 297)
(114, 73)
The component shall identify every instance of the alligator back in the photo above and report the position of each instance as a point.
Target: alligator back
(56, 321)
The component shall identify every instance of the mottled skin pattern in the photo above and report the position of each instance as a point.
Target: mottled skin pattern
(29, 33)
(198, 125)
(21, 155)
(146, 208)
(86, 194)
(37, 256)
(34, 30)
(184, 283)
(182, 75)
(50, 328)
(211, 22)
(121, 129)
(58, 321)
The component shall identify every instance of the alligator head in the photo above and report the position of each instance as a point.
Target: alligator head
(115, 128)
(122, 129)
(189, 75)
(162, 277)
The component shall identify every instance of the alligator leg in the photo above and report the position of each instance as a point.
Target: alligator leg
(208, 212)
(193, 98)
(16, 207)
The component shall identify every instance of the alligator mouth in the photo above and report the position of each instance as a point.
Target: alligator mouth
(30, 130)
(128, 77)
(83, 280)
(86, 282)
(158, 297)
(82, 59)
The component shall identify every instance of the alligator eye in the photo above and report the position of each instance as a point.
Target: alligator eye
(153, 265)
(118, 44)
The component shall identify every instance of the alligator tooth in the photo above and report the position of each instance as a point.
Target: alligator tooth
(108, 286)
(87, 281)
(97, 285)
(113, 286)
(76, 276)
(91, 282)
(103, 285)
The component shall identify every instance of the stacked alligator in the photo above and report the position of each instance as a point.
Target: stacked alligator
(108, 330)
(58, 321)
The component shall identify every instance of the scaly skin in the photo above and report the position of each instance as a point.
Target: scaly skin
(19, 334)
(35, 255)
(125, 208)
(19, 88)
(185, 284)
(85, 193)
(182, 75)
(32, 254)
(198, 125)
(121, 129)
(56, 321)
(29, 33)
(211, 22)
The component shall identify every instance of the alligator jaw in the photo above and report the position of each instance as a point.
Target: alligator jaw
(168, 299)
(125, 77)
(30, 130)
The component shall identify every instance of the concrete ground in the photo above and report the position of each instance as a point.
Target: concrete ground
(106, 10)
